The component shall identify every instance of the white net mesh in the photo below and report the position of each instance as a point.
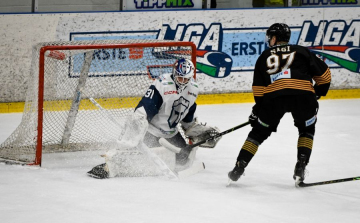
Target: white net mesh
(113, 72)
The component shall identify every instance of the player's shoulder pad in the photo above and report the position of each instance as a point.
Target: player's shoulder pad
(301, 49)
(165, 79)
(265, 53)
(194, 83)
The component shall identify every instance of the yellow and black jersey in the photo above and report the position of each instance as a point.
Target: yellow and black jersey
(289, 70)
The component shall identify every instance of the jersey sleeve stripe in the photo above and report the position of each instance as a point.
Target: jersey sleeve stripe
(325, 78)
(258, 90)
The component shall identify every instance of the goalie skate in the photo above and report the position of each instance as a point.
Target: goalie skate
(99, 172)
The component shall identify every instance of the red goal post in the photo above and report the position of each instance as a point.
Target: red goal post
(72, 72)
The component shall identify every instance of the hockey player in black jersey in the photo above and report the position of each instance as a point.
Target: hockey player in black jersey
(283, 82)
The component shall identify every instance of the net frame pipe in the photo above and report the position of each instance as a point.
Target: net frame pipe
(44, 49)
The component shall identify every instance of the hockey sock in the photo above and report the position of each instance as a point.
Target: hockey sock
(248, 150)
(305, 144)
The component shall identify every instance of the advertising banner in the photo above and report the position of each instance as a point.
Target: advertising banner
(161, 4)
(228, 41)
(228, 47)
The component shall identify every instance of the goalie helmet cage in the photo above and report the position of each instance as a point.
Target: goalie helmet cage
(65, 80)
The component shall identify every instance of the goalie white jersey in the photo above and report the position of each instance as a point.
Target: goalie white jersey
(166, 106)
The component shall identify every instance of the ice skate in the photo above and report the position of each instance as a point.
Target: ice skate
(238, 170)
(299, 171)
(100, 172)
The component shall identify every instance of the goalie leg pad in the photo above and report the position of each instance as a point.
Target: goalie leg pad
(134, 162)
(185, 159)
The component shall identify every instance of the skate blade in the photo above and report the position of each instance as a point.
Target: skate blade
(94, 176)
(297, 181)
(90, 174)
(229, 182)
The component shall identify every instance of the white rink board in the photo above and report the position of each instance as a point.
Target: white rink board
(238, 34)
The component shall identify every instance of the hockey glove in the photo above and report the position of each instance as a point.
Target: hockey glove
(199, 132)
(253, 119)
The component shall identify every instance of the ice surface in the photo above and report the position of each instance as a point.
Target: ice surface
(60, 191)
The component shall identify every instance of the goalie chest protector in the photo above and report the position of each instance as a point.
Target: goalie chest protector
(175, 105)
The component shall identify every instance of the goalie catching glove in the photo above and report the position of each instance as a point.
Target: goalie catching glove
(197, 132)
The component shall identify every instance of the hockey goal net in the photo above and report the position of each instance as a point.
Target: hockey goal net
(79, 93)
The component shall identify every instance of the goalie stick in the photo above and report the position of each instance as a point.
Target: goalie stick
(194, 169)
(302, 184)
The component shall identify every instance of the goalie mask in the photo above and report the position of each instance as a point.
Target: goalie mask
(280, 30)
(183, 71)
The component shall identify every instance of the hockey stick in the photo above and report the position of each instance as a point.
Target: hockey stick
(302, 184)
(167, 144)
(220, 134)
(165, 169)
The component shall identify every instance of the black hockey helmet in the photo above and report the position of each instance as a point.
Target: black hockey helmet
(280, 30)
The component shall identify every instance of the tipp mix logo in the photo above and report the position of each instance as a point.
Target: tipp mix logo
(329, 2)
(149, 4)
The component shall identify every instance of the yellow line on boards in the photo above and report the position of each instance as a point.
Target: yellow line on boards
(248, 97)
(129, 102)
